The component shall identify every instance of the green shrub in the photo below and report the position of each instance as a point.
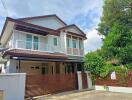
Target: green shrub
(93, 63)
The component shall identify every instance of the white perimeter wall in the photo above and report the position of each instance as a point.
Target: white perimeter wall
(115, 89)
(13, 86)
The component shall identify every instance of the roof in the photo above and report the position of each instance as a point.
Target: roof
(72, 26)
(55, 32)
(34, 54)
(21, 22)
(75, 34)
(45, 16)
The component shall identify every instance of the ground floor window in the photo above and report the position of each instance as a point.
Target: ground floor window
(69, 68)
(45, 68)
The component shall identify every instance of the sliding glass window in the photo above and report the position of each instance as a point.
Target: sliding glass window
(35, 43)
(28, 41)
(74, 42)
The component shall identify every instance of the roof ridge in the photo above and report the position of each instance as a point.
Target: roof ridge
(43, 16)
(25, 18)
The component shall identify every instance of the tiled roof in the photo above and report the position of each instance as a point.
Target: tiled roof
(34, 54)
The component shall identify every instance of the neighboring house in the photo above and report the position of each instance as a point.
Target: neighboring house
(42, 45)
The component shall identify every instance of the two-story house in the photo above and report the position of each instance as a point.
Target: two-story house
(48, 50)
(42, 45)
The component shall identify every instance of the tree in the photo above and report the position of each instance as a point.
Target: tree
(116, 25)
(115, 11)
(95, 64)
(118, 44)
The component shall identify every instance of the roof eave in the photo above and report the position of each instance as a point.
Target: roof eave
(56, 32)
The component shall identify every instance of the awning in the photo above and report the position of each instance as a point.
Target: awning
(34, 54)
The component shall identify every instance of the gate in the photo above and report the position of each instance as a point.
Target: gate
(37, 85)
(84, 80)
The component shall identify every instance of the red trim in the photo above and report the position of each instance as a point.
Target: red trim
(72, 33)
(36, 17)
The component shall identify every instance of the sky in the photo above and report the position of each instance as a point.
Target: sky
(84, 13)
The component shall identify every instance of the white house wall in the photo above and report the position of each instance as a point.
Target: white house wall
(63, 45)
(51, 45)
(19, 36)
(50, 22)
(11, 66)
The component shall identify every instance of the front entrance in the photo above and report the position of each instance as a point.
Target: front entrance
(49, 77)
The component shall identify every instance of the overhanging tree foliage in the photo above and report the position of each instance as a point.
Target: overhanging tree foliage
(116, 26)
(118, 44)
(115, 11)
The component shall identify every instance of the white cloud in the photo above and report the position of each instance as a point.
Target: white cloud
(93, 42)
(66, 9)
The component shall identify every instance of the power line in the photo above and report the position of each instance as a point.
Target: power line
(4, 5)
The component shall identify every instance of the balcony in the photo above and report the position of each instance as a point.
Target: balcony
(38, 46)
(75, 51)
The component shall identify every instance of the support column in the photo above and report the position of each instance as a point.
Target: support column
(79, 77)
(75, 67)
(89, 81)
(19, 66)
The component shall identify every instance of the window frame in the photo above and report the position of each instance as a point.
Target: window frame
(73, 43)
(34, 43)
(55, 41)
(30, 41)
(68, 42)
(80, 44)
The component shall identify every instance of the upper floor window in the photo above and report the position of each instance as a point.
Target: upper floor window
(32, 42)
(74, 42)
(28, 41)
(68, 42)
(55, 41)
(80, 44)
(35, 43)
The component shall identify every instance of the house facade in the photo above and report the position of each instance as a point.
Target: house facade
(42, 45)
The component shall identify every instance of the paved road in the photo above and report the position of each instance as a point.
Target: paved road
(88, 95)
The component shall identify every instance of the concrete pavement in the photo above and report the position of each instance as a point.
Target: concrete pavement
(87, 95)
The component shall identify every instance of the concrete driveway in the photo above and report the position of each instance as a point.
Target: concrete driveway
(87, 95)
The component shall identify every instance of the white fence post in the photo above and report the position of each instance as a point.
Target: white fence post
(79, 76)
(89, 81)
